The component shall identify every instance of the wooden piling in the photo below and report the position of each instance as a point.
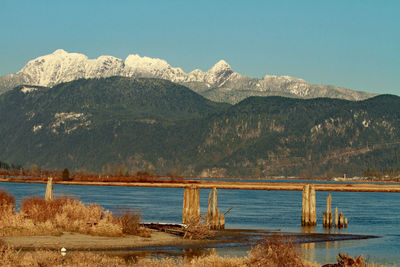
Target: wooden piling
(303, 205)
(222, 221)
(328, 219)
(306, 206)
(341, 220)
(329, 210)
(209, 209)
(184, 205)
(191, 203)
(214, 219)
(345, 222)
(196, 211)
(49, 189)
(336, 218)
(313, 208)
(324, 220)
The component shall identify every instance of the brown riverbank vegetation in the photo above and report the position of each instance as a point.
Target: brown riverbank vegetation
(40, 217)
(265, 254)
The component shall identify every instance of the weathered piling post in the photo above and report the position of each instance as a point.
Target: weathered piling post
(303, 207)
(191, 203)
(313, 208)
(306, 206)
(324, 219)
(214, 224)
(345, 222)
(341, 220)
(209, 210)
(222, 221)
(328, 213)
(309, 211)
(185, 203)
(49, 189)
(336, 218)
(329, 210)
(197, 202)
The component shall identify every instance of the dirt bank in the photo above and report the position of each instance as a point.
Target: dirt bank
(74, 241)
(239, 237)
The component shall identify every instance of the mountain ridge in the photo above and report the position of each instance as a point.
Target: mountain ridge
(163, 127)
(220, 83)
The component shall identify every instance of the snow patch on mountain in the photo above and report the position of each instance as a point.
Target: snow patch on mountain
(27, 90)
(37, 128)
(70, 122)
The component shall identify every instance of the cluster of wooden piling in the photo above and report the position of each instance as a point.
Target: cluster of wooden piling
(191, 203)
(191, 208)
(340, 220)
(309, 215)
(215, 219)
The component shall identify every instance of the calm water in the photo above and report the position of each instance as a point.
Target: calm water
(368, 213)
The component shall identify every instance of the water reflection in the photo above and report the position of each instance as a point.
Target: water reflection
(370, 213)
(308, 229)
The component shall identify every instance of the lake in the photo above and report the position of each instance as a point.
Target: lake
(368, 214)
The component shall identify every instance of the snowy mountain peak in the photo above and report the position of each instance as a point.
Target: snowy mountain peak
(60, 52)
(220, 66)
(135, 65)
(61, 66)
(136, 60)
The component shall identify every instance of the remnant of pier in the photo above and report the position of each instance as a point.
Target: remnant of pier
(309, 214)
(191, 208)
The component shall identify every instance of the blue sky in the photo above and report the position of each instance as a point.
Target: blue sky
(354, 44)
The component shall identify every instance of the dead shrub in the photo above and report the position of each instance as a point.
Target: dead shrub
(344, 260)
(41, 210)
(275, 251)
(197, 228)
(68, 214)
(7, 202)
(129, 220)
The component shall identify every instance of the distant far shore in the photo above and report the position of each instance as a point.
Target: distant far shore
(240, 185)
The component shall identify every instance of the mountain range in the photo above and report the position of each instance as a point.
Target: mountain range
(135, 124)
(220, 83)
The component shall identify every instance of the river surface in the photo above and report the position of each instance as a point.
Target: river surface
(368, 214)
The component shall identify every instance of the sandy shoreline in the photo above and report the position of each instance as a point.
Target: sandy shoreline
(75, 241)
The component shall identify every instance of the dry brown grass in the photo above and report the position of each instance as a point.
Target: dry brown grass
(197, 228)
(275, 251)
(43, 258)
(7, 203)
(69, 215)
(129, 220)
(11, 257)
(38, 216)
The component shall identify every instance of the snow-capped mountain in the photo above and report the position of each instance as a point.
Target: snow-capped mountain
(220, 83)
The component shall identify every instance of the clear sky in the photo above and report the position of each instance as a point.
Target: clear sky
(349, 43)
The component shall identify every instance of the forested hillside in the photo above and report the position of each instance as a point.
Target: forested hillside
(162, 127)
